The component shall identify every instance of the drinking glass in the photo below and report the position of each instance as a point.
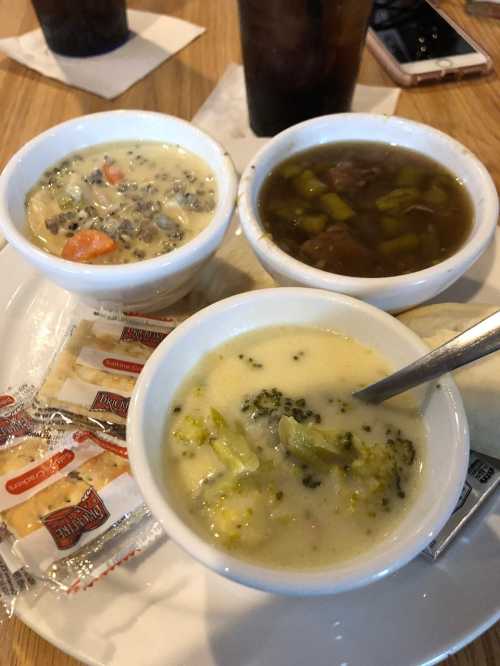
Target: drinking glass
(82, 27)
(301, 58)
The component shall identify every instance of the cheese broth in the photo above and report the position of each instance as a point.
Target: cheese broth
(275, 503)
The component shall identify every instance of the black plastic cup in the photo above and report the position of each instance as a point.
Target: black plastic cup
(301, 58)
(82, 27)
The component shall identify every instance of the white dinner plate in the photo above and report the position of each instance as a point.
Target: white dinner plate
(164, 609)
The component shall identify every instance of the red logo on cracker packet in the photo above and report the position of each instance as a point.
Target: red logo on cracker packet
(148, 338)
(105, 401)
(31, 478)
(6, 400)
(124, 366)
(15, 425)
(82, 436)
(67, 525)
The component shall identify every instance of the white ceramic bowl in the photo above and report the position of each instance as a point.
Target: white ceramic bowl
(142, 286)
(445, 457)
(390, 293)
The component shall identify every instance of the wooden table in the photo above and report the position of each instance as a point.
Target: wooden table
(29, 103)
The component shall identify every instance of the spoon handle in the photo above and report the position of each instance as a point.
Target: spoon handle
(481, 339)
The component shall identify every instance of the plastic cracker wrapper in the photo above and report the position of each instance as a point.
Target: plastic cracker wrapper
(16, 424)
(22, 440)
(71, 511)
(483, 478)
(132, 535)
(92, 375)
(14, 579)
(12, 584)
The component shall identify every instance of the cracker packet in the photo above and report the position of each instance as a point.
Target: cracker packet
(71, 512)
(22, 439)
(483, 478)
(92, 375)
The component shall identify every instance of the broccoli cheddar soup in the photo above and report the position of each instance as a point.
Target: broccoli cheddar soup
(121, 202)
(269, 457)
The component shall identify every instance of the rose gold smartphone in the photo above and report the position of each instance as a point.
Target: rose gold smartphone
(415, 42)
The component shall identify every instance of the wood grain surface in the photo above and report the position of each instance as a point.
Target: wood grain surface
(469, 110)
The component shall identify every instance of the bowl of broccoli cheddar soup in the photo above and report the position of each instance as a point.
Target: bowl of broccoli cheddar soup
(248, 446)
(123, 207)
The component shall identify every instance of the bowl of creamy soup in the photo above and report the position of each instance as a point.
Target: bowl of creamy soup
(383, 209)
(123, 207)
(249, 448)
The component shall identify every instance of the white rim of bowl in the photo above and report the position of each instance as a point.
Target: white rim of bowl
(194, 249)
(299, 271)
(289, 582)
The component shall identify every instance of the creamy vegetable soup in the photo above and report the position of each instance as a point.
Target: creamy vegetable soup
(270, 457)
(121, 202)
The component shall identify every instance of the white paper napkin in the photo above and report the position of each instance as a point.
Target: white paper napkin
(224, 114)
(156, 38)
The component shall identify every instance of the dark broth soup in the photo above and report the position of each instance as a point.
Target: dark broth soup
(365, 209)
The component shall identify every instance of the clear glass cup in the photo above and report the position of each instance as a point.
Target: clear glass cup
(301, 58)
(82, 27)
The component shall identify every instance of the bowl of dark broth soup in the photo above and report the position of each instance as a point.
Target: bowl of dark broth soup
(250, 449)
(381, 208)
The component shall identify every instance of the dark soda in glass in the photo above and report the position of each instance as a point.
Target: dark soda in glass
(82, 27)
(301, 58)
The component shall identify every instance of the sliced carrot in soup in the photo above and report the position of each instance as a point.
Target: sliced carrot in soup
(112, 173)
(88, 244)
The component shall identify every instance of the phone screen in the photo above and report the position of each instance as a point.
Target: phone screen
(412, 30)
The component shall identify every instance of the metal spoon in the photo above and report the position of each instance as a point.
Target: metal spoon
(477, 341)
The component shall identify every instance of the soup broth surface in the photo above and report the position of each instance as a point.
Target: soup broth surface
(268, 455)
(121, 202)
(365, 209)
